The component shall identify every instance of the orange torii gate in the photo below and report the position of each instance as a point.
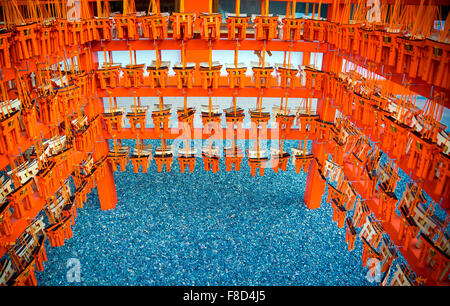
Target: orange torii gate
(9, 131)
(234, 117)
(388, 253)
(182, 24)
(26, 276)
(141, 156)
(119, 156)
(266, 25)
(210, 25)
(284, 119)
(437, 62)
(432, 255)
(114, 118)
(155, 26)
(335, 197)
(133, 75)
(164, 154)
(108, 75)
(292, 28)
(350, 234)
(360, 214)
(59, 232)
(259, 117)
(6, 228)
(5, 45)
(138, 115)
(211, 119)
(368, 252)
(315, 30)
(302, 160)
(27, 41)
(186, 156)
(158, 71)
(339, 212)
(126, 25)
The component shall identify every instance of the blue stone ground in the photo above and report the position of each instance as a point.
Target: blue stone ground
(207, 229)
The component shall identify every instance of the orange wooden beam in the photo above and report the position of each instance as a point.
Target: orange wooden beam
(199, 44)
(151, 133)
(200, 92)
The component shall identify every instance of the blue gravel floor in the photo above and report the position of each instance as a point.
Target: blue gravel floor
(207, 229)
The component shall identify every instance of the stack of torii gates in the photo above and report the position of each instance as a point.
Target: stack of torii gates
(71, 99)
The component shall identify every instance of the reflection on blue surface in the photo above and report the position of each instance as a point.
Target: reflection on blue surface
(207, 229)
